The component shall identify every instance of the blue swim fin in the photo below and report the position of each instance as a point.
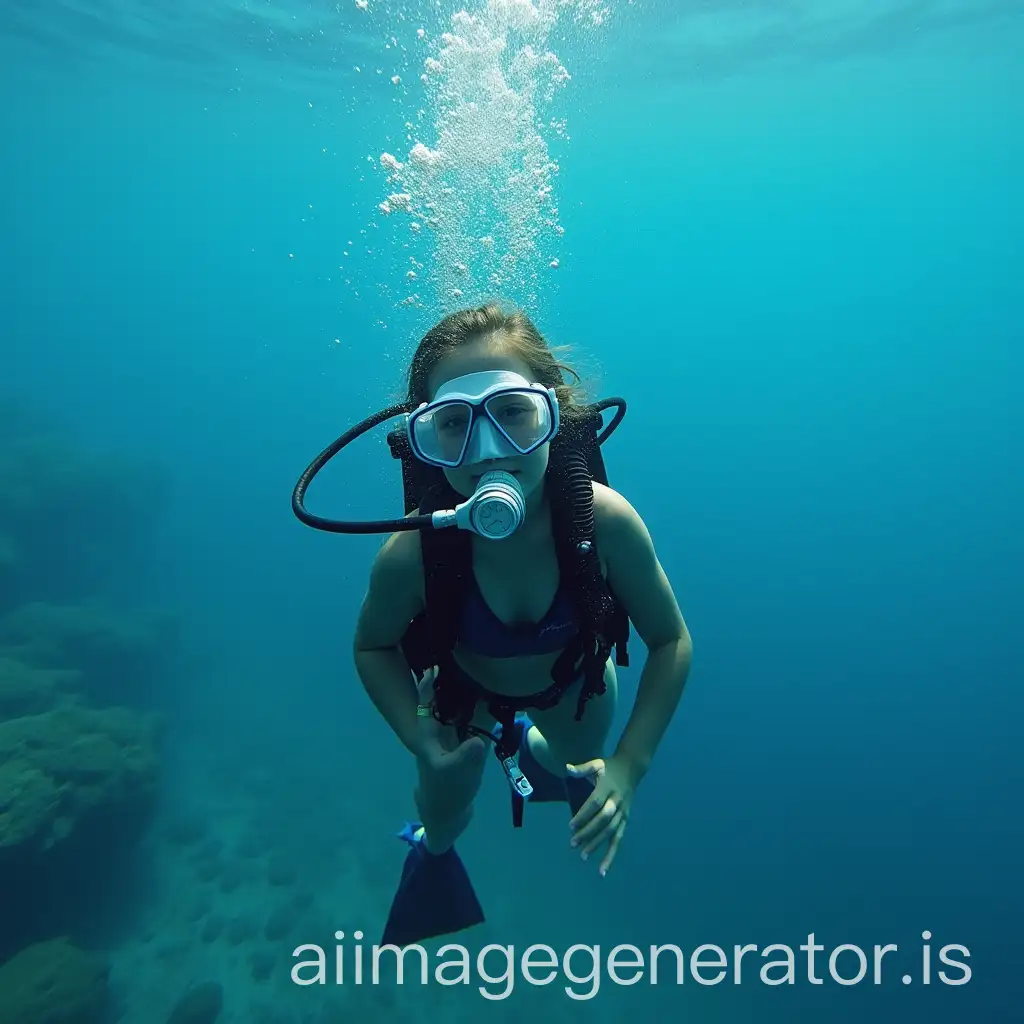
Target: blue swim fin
(435, 896)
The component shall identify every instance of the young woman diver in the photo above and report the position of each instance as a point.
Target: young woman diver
(517, 610)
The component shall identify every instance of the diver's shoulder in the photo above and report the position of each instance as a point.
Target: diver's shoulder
(613, 514)
(609, 504)
(401, 555)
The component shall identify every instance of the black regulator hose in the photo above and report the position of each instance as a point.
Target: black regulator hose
(620, 411)
(338, 525)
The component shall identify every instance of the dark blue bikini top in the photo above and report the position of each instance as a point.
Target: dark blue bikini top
(483, 632)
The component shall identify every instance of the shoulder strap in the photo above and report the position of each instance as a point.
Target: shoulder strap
(447, 568)
(574, 464)
(445, 556)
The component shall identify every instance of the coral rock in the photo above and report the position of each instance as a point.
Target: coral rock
(53, 983)
(28, 691)
(119, 656)
(58, 768)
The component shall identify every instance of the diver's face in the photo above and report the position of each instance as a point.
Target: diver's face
(479, 355)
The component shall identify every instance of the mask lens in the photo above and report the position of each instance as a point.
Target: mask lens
(522, 416)
(440, 433)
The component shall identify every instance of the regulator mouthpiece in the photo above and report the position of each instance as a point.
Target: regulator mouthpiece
(495, 510)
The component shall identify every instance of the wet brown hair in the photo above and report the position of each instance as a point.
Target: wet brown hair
(516, 334)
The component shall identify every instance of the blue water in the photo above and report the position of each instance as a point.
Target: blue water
(792, 244)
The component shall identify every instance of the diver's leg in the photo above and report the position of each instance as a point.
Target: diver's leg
(444, 800)
(557, 739)
(445, 793)
(435, 896)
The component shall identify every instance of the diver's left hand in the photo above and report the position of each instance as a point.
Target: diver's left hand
(602, 819)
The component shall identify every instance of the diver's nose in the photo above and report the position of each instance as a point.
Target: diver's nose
(486, 442)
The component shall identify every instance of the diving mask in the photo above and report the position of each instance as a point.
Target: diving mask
(492, 414)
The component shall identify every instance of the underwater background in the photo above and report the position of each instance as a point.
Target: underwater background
(787, 234)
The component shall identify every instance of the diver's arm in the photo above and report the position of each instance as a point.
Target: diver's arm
(393, 600)
(639, 582)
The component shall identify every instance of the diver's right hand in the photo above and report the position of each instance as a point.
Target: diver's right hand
(437, 747)
(436, 757)
(449, 772)
(438, 750)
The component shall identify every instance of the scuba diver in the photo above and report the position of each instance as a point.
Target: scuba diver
(495, 604)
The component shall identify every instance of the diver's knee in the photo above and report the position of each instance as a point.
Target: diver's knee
(542, 752)
(443, 822)
(434, 803)
(448, 792)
